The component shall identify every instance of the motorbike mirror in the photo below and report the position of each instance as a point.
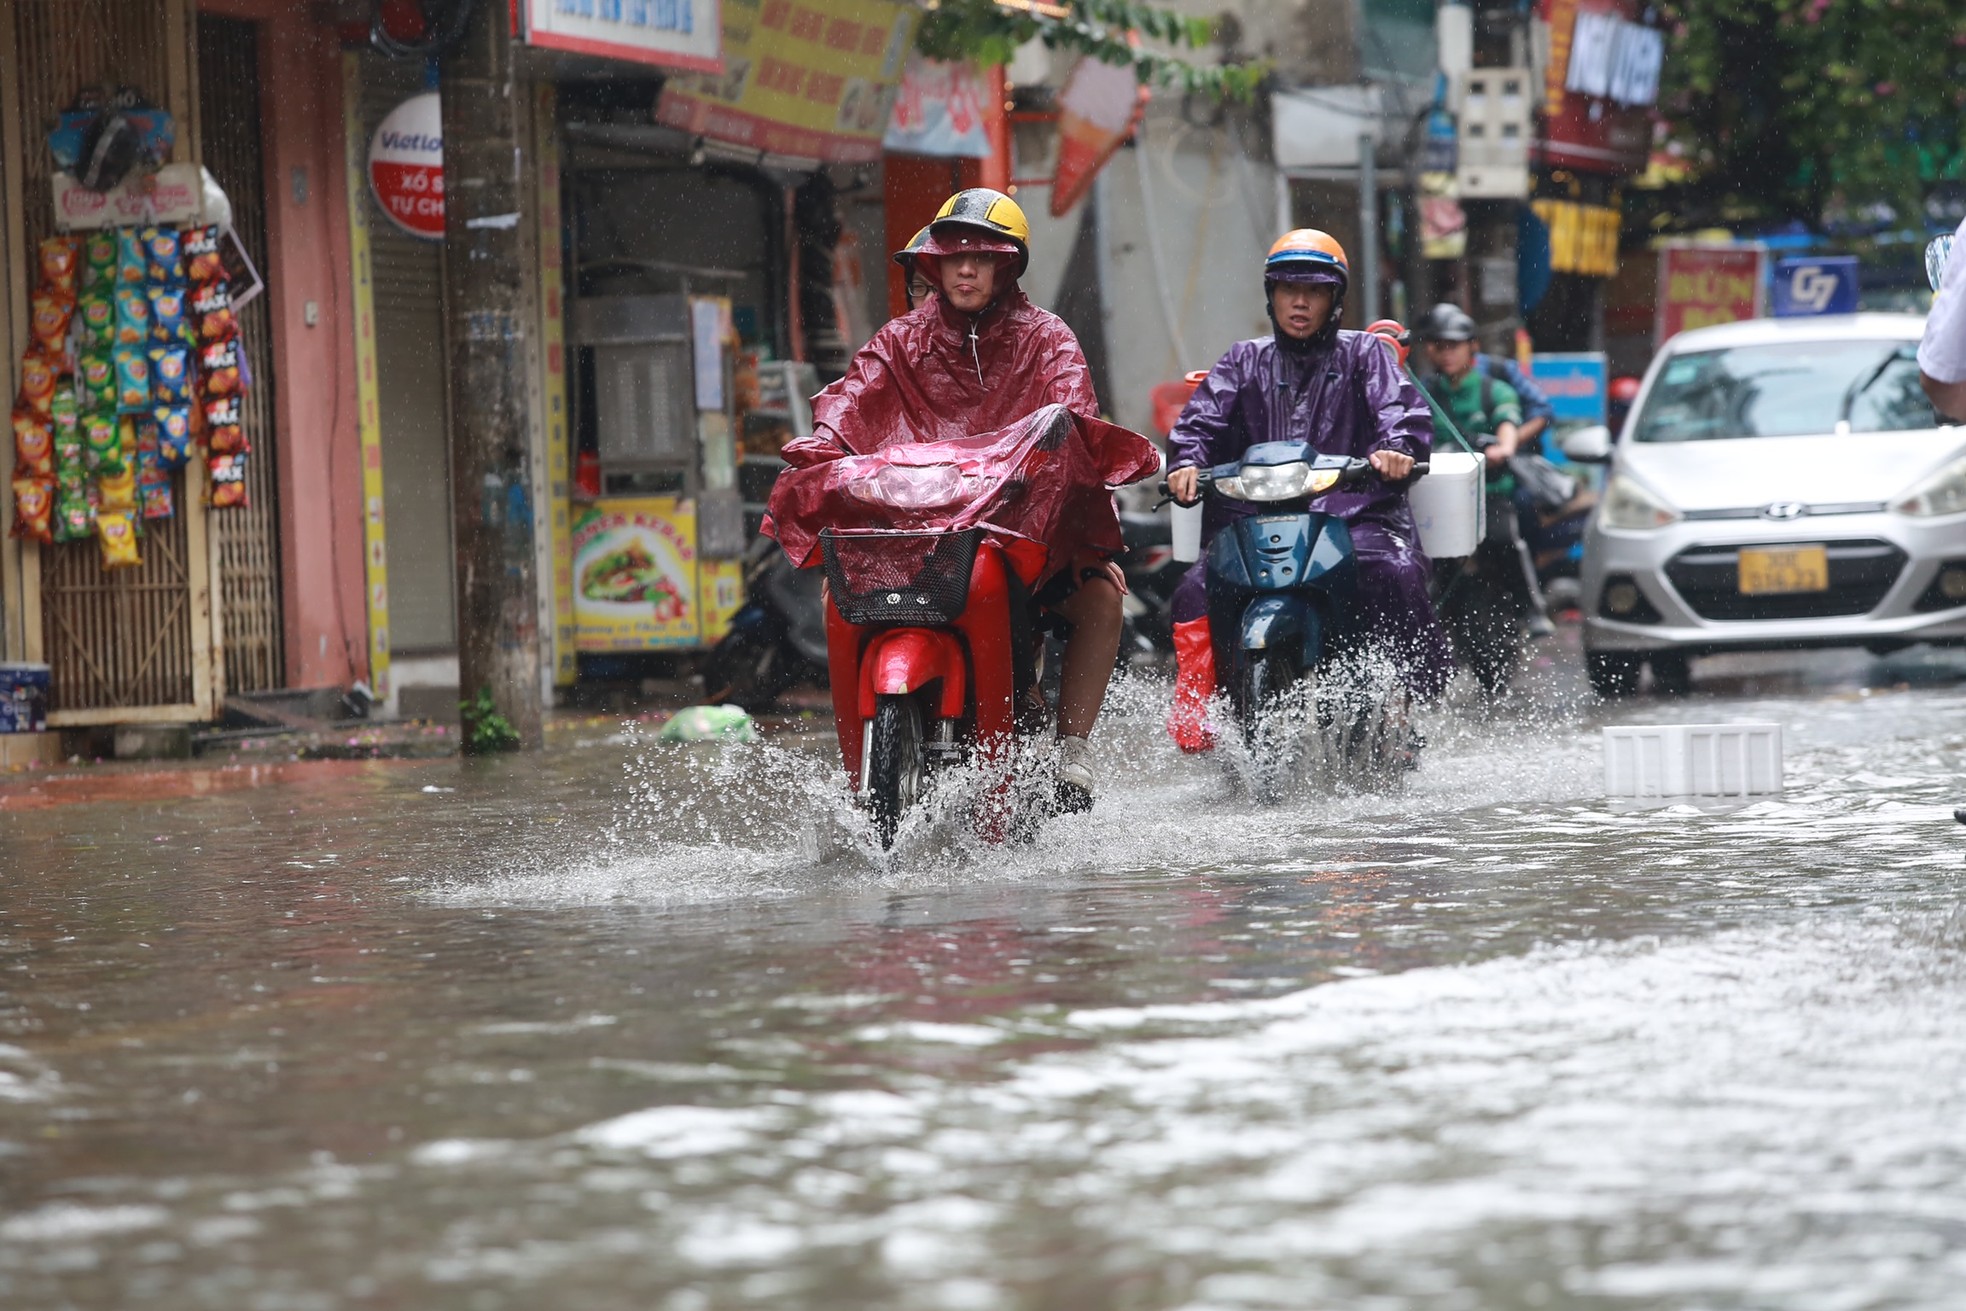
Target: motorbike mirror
(1936, 256)
(1590, 445)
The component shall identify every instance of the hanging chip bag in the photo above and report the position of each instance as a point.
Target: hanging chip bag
(173, 434)
(97, 309)
(160, 248)
(38, 376)
(154, 491)
(202, 260)
(118, 492)
(170, 374)
(99, 259)
(59, 258)
(102, 444)
(95, 379)
(51, 313)
(34, 506)
(132, 268)
(218, 368)
(167, 314)
(223, 435)
(132, 379)
(132, 316)
(34, 444)
(228, 481)
(118, 535)
(211, 306)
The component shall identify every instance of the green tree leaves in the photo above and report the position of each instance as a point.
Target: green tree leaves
(989, 33)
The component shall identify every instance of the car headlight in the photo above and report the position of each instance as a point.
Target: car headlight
(1942, 492)
(1278, 482)
(1630, 507)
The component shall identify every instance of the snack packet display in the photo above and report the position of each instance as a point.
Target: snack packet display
(98, 260)
(38, 375)
(97, 310)
(75, 518)
(211, 306)
(34, 444)
(132, 316)
(117, 493)
(132, 378)
(102, 444)
(228, 481)
(154, 496)
(118, 535)
(167, 314)
(34, 506)
(170, 374)
(95, 381)
(49, 317)
(58, 264)
(160, 248)
(218, 368)
(70, 465)
(132, 266)
(173, 425)
(202, 260)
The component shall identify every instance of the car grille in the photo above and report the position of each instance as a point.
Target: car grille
(1860, 573)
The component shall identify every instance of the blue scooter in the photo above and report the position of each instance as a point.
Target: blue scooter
(1281, 585)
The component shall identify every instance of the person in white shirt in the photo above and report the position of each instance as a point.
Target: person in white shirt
(1942, 354)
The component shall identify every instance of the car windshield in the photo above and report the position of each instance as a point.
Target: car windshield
(1788, 390)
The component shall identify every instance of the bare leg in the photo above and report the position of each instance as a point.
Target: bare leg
(1094, 612)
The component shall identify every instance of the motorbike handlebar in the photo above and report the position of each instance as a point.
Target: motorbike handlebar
(1356, 471)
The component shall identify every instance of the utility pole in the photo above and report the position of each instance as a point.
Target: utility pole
(491, 476)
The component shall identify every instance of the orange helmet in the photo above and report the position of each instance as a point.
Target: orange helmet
(1307, 255)
(1393, 333)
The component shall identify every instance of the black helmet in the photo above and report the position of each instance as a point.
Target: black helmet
(905, 257)
(1446, 322)
(981, 219)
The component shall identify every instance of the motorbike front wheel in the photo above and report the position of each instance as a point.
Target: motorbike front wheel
(896, 764)
(1270, 734)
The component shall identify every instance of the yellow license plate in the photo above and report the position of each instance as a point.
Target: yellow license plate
(1786, 569)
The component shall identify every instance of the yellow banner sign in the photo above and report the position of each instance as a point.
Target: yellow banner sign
(634, 572)
(813, 79)
(1583, 238)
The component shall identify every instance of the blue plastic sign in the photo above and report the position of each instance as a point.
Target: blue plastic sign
(1575, 383)
(1819, 284)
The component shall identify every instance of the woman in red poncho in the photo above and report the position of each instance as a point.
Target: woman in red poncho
(1005, 385)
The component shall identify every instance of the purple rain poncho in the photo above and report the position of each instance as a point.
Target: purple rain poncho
(1346, 396)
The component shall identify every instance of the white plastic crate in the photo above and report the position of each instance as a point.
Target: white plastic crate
(1693, 760)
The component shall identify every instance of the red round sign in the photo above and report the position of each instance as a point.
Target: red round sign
(406, 166)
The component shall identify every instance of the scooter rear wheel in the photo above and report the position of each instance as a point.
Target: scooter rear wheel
(896, 764)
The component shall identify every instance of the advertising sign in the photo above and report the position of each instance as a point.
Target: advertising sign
(1826, 284)
(803, 78)
(1097, 110)
(939, 111)
(670, 33)
(1703, 285)
(1602, 75)
(406, 166)
(175, 193)
(634, 575)
(1575, 383)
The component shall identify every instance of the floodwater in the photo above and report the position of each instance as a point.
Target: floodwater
(642, 1026)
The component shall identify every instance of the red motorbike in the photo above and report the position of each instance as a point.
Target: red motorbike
(929, 641)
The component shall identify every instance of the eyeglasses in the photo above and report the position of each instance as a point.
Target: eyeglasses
(919, 290)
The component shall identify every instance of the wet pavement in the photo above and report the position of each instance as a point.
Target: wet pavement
(646, 1026)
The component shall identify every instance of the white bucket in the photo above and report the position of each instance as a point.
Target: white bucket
(1693, 760)
(1448, 504)
(1187, 532)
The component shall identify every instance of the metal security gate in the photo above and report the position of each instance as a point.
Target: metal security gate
(245, 539)
(134, 644)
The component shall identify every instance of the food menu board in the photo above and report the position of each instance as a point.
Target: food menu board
(635, 575)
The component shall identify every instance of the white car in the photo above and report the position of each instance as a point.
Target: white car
(1779, 484)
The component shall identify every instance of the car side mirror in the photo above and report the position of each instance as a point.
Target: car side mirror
(1590, 445)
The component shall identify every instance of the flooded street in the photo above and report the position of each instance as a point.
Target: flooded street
(646, 1026)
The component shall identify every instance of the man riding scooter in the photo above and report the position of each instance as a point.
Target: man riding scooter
(1344, 394)
(1483, 406)
(976, 359)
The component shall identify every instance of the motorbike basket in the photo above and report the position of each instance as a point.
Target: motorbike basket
(882, 577)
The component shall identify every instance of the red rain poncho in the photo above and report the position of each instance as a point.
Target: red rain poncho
(934, 428)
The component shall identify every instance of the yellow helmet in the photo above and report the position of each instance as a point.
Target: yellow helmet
(964, 217)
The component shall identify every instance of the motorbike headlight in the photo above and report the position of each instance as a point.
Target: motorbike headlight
(1282, 482)
(1941, 492)
(1629, 506)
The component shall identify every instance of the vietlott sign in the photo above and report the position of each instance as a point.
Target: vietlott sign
(634, 575)
(1700, 286)
(406, 166)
